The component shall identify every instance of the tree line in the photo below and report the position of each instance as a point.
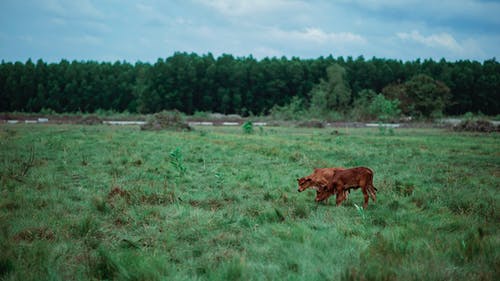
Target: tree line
(190, 82)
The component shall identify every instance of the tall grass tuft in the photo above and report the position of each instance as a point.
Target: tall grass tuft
(360, 211)
(177, 160)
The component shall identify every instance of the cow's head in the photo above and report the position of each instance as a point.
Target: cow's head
(305, 183)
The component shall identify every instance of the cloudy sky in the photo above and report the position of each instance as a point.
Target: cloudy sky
(145, 30)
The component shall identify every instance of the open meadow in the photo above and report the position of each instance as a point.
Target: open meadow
(101, 202)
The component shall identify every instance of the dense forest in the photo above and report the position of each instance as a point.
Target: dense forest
(242, 85)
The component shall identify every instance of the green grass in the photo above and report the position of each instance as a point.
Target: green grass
(99, 202)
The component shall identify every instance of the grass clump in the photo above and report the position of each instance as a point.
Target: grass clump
(166, 120)
(177, 160)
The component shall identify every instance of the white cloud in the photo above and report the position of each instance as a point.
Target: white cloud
(238, 8)
(406, 29)
(317, 35)
(442, 40)
(381, 4)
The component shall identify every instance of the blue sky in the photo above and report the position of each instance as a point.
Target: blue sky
(110, 30)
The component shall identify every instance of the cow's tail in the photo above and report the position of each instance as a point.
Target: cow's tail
(371, 188)
(371, 179)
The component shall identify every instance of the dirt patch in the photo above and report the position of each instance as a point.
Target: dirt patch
(311, 124)
(158, 199)
(34, 233)
(90, 120)
(120, 222)
(117, 193)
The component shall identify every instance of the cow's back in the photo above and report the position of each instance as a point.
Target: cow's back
(325, 174)
(354, 176)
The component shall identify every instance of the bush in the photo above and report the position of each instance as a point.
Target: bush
(47, 111)
(384, 109)
(422, 95)
(167, 120)
(373, 106)
(483, 126)
(361, 104)
(295, 110)
(247, 127)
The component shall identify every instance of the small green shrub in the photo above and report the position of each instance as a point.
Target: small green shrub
(177, 160)
(248, 127)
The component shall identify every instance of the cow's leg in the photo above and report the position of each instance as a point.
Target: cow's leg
(318, 196)
(329, 193)
(339, 198)
(341, 195)
(365, 195)
(323, 195)
(327, 196)
(346, 194)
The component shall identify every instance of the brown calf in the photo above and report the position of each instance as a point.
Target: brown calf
(319, 181)
(346, 179)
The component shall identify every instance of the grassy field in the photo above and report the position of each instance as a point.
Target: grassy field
(99, 202)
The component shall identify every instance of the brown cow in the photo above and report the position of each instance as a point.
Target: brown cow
(318, 181)
(346, 179)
